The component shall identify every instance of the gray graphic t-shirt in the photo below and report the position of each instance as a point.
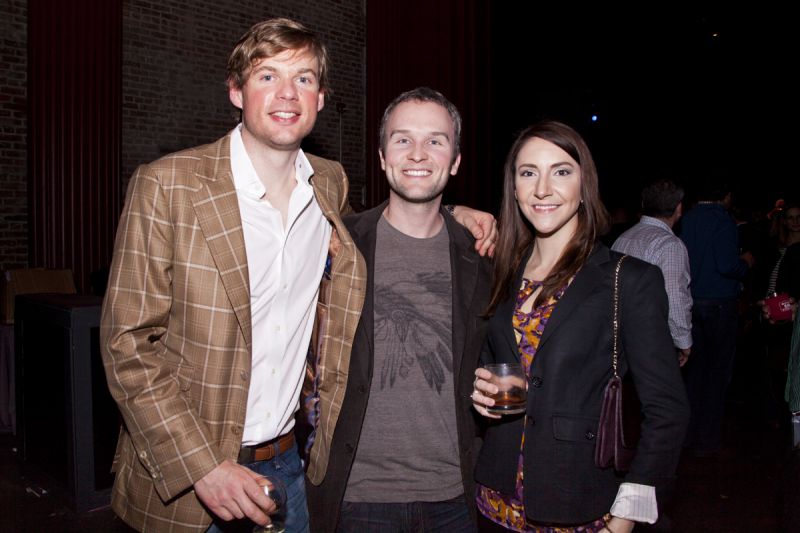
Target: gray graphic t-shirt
(408, 449)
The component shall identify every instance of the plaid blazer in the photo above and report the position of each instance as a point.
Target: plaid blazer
(176, 334)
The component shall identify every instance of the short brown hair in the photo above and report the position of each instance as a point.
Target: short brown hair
(270, 38)
(424, 94)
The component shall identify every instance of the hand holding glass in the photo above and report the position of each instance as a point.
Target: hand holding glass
(511, 391)
(276, 491)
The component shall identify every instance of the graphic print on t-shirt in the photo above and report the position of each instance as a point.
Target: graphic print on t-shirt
(410, 338)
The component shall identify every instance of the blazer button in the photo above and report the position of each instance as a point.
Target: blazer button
(536, 381)
(531, 421)
(244, 375)
(589, 435)
(349, 448)
(362, 389)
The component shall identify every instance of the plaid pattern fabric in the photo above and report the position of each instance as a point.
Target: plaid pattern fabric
(310, 392)
(176, 331)
(652, 240)
(345, 297)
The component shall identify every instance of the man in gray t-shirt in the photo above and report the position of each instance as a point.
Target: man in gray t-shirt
(402, 455)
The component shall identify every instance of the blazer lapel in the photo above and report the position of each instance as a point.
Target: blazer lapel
(365, 234)
(464, 274)
(587, 279)
(217, 209)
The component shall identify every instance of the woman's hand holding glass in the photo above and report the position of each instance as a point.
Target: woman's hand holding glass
(481, 389)
(499, 389)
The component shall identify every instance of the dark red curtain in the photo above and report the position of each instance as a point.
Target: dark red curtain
(74, 98)
(443, 44)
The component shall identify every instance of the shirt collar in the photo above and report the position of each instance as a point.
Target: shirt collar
(245, 178)
(652, 221)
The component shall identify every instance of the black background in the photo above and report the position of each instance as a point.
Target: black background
(690, 91)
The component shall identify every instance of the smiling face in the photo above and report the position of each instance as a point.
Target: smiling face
(792, 219)
(280, 100)
(418, 152)
(547, 185)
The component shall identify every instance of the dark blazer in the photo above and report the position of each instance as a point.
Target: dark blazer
(470, 278)
(565, 389)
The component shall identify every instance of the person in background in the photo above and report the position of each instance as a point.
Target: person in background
(790, 494)
(209, 310)
(652, 240)
(403, 452)
(717, 270)
(779, 275)
(551, 309)
(783, 275)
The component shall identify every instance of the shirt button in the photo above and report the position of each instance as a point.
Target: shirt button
(274, 370)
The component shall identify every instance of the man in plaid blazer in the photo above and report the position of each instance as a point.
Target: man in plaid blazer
(211, 300)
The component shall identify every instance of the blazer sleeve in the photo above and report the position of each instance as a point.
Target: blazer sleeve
(144, 378)
(651, 359)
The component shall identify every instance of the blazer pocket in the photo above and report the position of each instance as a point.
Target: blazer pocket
(574, 472)
(575, 428)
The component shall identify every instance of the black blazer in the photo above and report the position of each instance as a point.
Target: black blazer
(470, 279)
(567, 378)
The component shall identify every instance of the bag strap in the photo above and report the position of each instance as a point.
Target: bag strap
(615, 320)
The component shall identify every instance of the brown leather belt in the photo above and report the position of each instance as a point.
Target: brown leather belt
(266, 450)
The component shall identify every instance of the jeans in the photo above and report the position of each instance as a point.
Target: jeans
(451, 516)
(288, 468)
(708, 372)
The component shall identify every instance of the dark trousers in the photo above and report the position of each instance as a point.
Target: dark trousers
(451, 516)
(708, 372)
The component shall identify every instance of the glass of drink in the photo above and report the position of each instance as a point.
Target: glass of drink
(276, 490)
(511, 395)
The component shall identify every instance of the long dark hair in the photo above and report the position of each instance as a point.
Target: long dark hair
(516, 233)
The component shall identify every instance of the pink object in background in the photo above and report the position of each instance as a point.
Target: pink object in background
(780, 307)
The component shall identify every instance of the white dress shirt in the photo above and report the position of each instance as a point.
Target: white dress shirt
(285, 265)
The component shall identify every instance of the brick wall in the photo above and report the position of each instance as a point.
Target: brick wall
(175, 53)
(13, 131)
(174, 96)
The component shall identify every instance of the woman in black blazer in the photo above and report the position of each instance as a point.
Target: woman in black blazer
(551, 309)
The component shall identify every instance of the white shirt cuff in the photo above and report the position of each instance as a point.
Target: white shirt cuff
(636, 502)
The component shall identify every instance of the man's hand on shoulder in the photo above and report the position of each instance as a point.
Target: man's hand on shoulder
(233, 491)
(481, 224)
